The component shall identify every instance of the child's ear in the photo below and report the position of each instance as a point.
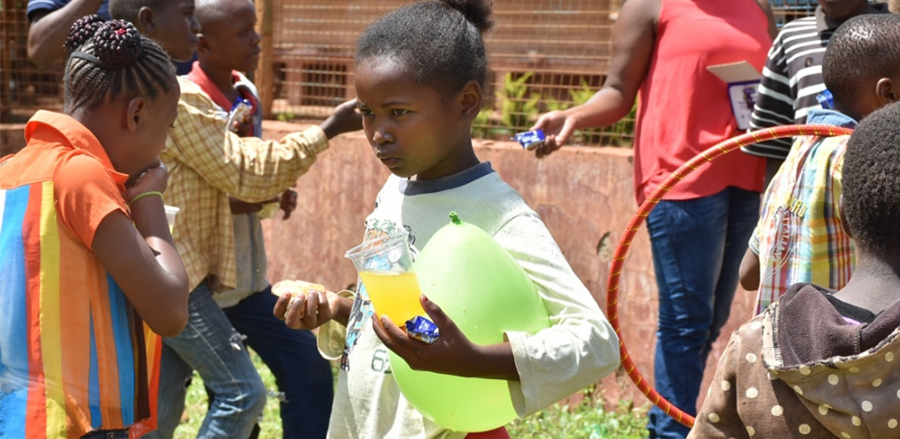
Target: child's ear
(470, 99)
(146, 18)
(886, 92)
(135, 114)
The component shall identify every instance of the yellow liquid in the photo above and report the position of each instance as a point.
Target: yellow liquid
(395, 295)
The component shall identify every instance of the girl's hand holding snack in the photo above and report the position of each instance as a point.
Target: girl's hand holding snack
(303, 305)
(452, 353)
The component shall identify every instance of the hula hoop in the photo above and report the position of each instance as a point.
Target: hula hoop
(615, 271)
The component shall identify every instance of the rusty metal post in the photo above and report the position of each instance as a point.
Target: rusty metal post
(265, 76)
(5, 62)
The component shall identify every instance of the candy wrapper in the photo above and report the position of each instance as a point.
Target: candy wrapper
(422, 329)
(295, 288)
(240, 113)
(530, 139)
(826, 100)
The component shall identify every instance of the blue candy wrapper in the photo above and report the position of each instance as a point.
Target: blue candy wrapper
(530, 139)
(826, 100)
(422, 329)
(240, 112)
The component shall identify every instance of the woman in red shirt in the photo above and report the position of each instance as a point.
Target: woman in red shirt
(699, 232)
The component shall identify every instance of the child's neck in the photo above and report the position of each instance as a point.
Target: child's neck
(875, 284)
(221, 78)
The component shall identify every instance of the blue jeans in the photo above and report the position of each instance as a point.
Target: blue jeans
(302, 375)
(697, 249)
(211, 346)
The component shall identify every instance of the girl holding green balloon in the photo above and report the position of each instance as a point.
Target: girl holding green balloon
(518, 329)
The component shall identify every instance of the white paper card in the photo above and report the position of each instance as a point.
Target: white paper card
(742, 80)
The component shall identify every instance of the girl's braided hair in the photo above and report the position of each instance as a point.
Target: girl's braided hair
(109, 59)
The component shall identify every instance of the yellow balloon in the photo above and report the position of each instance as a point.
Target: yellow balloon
(486, 293)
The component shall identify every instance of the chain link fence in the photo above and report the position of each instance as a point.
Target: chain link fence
(544, 55)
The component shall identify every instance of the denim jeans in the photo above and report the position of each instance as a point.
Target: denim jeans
(697, 249)
(211, 346)
(302, 375)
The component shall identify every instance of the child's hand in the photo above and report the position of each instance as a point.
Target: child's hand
(153, 179)
(452, 353)
(303, 305)
(288, 202)
(343, 119)
(242, 128)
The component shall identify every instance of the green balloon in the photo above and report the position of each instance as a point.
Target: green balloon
(486, 293)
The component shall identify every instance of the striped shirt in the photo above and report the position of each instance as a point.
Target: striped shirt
(800, 236)
(792, 78)
(74, 354)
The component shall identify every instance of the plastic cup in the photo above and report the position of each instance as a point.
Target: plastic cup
(171, 212)
(385, 268)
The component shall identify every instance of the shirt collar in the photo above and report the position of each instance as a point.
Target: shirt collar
(419, 187)
(62, 129)
(823, 23)
(830, 117)
(198, 76)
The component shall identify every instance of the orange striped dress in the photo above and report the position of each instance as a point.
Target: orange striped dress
(74, 355)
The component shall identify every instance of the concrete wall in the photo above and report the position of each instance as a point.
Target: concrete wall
(584, 195)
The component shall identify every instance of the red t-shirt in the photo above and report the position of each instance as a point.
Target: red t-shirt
(684, 109)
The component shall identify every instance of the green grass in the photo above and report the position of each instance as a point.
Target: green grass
(584, 420)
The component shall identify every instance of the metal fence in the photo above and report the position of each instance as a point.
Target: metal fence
(544, 54)
(24, 88)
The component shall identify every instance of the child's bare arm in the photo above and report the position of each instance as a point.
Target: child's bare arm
(452, 353)
(141, 257)
(750, 271)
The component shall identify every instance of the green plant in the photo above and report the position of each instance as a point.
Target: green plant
(618, 134)
(481, 126)
(517, 109)
(586, 420)
(286, 116)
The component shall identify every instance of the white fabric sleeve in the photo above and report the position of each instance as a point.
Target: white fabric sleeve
(332, 335)
(580, 346)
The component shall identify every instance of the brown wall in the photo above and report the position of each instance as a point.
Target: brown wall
(584, 195)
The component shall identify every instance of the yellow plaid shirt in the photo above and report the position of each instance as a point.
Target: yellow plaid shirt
(206, 163)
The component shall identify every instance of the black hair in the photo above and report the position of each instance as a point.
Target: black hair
(111, 58)
(865, 47)
(871, 182)
(209, 13)
(438, 41)
(128, 9)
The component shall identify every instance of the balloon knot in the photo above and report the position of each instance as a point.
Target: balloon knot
(455, 218)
